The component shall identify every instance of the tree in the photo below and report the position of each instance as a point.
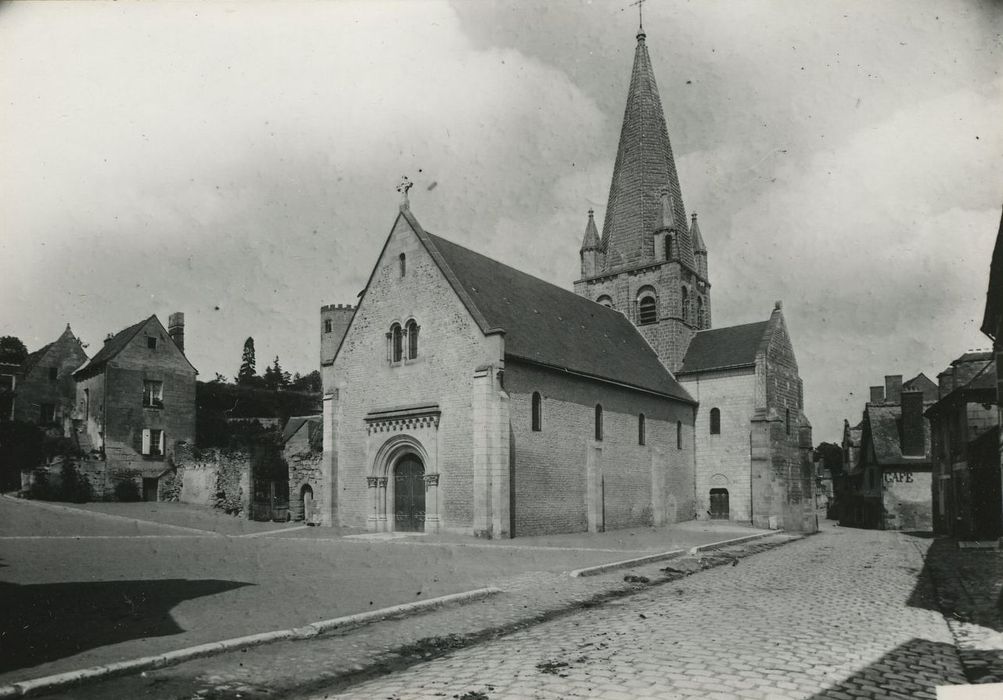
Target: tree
(831, 455)
(12, 350)
(308, 383)
(247, 372)
(275, 378)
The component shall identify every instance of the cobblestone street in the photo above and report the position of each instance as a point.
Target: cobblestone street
(840, 615)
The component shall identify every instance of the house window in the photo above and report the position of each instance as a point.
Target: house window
(715, 421)
(327, 325)
(396, 343)
(153, 394)
(599, 422)
(537, 412)
(151, 342)
(411, 329)
(640, 429)
(47, 414)
(53, 373)
(153, 442)
(605, 301)
(679, 435)
(403, 263)
(646, 312)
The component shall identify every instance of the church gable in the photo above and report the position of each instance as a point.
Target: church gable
(780, 366)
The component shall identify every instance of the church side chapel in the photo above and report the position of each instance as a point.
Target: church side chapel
(464, 395)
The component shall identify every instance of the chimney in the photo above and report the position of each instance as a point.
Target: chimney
(913, 438)
(176, 329)
(893, 388)
(877, 394)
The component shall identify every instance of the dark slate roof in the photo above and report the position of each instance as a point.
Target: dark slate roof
(112, 347)
(33, 358)
(548, 325)
(722, 348)
(644, 166)
(886, 436)
(994, 292)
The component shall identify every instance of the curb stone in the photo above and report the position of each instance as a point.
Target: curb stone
(652, 558)
(60, 680)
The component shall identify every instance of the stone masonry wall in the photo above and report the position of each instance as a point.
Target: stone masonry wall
(723, 461)
(549, 481)
(451, 347)
(214, 477)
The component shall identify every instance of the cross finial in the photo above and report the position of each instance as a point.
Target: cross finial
(640, 17)
(403, 187)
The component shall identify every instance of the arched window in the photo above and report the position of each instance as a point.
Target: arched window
(640, 429)
(605, 301)
(685, 304)
(668, 248)
(679, 435)
(403, 263)
(599, 421)
(699, 312)
(646, 312)
(411, 328)
(537, 412)
(396, 343)
(715, 421)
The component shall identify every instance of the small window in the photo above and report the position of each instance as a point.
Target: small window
(537, 412)
(668, 248)
(685, 296)
(605, 301)
(327, 325)
(403, 264)
(715, 421)
(646, 312)
(640, 429)
(153, 394)
(787, 420)
(53, 373)
(700, 314)
(411, 329)
(679, 435)
(151, 342)
(47, 414)
(153, 442)
(396, 343)
(599, 422)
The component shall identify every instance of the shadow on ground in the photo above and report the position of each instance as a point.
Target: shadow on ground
(45, 622)
(910, 670)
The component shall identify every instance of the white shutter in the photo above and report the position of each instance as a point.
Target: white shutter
(163, 442)
(146, 441)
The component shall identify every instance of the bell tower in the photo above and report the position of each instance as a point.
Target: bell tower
(650, 262)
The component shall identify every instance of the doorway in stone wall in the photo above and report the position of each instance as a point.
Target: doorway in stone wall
(409, 494)
(719, 506)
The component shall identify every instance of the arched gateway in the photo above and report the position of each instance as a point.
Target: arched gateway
(404, 485)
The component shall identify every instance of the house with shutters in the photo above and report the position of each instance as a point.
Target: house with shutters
(135, 400)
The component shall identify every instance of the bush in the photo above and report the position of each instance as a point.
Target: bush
(40, 489)
(75, 487)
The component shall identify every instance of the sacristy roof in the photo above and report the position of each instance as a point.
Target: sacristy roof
(724, 348)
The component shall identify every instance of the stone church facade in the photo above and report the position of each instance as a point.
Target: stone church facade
(464, 395)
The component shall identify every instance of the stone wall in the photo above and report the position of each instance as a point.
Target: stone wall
(451, 347)
(215, 477)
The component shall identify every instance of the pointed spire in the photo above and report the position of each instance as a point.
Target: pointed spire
(591, 241)
(644, 167)
(696, 238)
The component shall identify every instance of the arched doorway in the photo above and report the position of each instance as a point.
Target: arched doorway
(719, 507)
(409, 494)
(306, 502)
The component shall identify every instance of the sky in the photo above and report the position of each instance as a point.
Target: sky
(238, 162)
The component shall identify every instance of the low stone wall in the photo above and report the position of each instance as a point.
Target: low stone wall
(215, 477)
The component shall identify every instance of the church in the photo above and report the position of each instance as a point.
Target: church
(463, 395)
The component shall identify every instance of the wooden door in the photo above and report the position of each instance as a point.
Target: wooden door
(409, 495)
(719, 506)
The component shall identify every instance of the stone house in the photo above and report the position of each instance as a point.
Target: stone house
(135, 403)
(753, 443)
(302, 449)
(889, 487)
(44, 392)
(964, 427)
(468, 396)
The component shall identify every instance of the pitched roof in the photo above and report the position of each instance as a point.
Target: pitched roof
(923, 383)
(994, 292)
(886, 436)
(33, 358)
(644, 167)
(547, 325)
(723, 348)
(112, 347)
(314, 426)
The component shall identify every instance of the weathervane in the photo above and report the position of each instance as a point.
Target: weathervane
(640, 13)
(403, 187)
